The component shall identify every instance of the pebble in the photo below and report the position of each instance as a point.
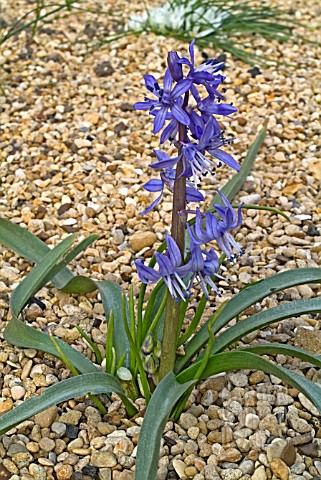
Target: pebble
(179, 467)
(253, 199)
(280, 469)
(59, 428)
(18, 392)
(140, 240)
(6, 405)
(71, 418)
(103, 459)
(309, 405)
(251, 421)
(259, 473)
(37, 471)
(239, 379)
(230, 455)
(187, 420)
(64, 472)
(46, 418)
(298, 424)
(288, 454)
(231, 474)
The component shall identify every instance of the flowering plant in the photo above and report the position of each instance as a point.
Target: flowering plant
(143, 339)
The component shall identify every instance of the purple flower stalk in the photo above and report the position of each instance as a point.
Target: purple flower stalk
(191, 118)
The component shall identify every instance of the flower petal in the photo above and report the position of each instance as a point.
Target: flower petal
(168, 80)
(225, 158)
(146, 274)
(153, 185)
(173, 251)
(160, 119)
(150, 82)
(175, 67)
(143, 105)
(170, 163)
(181, 87)
(170, 131)
(193, 195)
(152, 205)
(180, 114)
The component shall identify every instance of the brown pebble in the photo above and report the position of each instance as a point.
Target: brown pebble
(4, 473)
(288, 454)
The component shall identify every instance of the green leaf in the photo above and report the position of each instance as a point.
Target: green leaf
(52, 263)
(234, 185)
(276, 348)
(29, 246)
(79, 285)
(236, 360)
(20, 334)
(80, 247)
(264, 318)
(111, 296)
(243, 300)
(94, 383)
(46, 269)
(164, 398)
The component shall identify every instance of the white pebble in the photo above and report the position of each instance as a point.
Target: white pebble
(17, 392)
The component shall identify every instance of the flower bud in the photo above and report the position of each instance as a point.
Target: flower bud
(157, 349)
(174, 67)
(148, 344)
(151, 364)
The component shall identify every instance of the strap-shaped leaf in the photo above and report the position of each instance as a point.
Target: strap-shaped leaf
(29, 246)
(167, 393)
(47, 268)
(52, 263)
(20, 334)
(111, 296)
(276, 348)
(264, 318)
(94, 383)
(243, 300)
(80, 285)
(235, 360)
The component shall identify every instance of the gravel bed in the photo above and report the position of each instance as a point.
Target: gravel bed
(73, 158)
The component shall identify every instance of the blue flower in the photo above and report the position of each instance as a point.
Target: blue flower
(168, 179)
(211, 106)
(168, 269)
(201, 75)
(167, 100)
(195, 162)
(209, 141)
(218, 230)
(202, 269)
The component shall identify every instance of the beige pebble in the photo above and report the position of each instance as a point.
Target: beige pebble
(280, 469)
(140, 240)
